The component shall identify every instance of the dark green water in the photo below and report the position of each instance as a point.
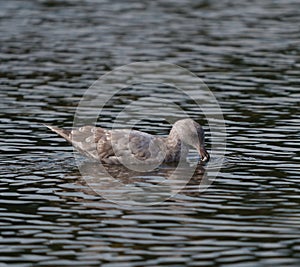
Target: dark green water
(247, 52)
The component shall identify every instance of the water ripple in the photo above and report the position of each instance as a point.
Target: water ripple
(246, 52)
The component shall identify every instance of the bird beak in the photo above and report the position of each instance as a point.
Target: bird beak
(203, 154)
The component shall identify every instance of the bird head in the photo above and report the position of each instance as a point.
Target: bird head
(192, 134)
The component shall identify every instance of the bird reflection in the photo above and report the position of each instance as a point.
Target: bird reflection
(122, 185)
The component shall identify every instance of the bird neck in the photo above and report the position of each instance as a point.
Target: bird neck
(175, 147)
(173, 140)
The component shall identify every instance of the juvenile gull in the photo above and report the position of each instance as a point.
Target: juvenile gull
(118, 146)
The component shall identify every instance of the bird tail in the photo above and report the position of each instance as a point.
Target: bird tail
(66, 134)
(82, 139)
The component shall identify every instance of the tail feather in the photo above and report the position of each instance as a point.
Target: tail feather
(62, 132)
(82, 139)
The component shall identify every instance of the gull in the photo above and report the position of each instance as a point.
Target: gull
(119, 146)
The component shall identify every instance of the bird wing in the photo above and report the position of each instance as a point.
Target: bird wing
(129, 146)
(112, 146)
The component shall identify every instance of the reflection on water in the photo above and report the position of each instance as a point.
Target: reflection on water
(248, 55)
(129, 187)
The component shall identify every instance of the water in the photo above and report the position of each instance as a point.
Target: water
(246, 52)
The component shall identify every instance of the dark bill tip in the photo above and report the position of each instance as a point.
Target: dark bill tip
(204, 155)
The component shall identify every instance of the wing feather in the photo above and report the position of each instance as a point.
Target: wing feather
(111, 146)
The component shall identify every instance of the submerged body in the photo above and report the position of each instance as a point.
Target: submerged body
(135, 147)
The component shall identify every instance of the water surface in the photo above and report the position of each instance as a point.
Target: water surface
(246, 52)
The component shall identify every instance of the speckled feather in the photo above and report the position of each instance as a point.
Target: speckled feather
(135, 147)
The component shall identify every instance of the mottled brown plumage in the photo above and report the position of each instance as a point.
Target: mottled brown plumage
(135, 147)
